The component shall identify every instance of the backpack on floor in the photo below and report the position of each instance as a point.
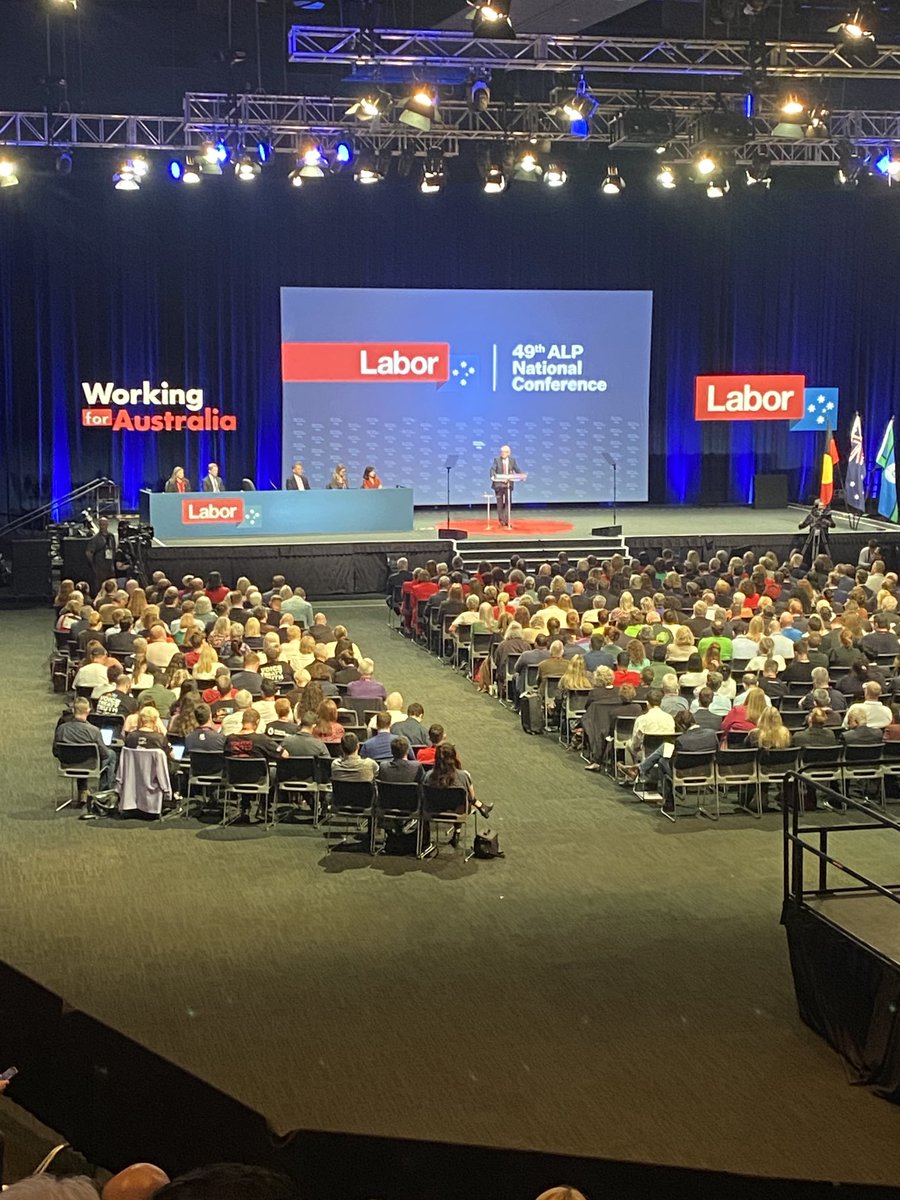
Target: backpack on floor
(531, 712)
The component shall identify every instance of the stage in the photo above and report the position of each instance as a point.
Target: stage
(356, 564)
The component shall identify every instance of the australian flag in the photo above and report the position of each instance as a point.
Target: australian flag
(820, 409)
(855, 488)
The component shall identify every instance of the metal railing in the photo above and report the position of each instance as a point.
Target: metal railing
(88, 494)
(802, 841)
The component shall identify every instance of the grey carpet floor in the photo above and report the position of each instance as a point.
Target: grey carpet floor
(620, 986)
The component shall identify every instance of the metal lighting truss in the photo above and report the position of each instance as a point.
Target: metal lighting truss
(588, 55)
(286, 122)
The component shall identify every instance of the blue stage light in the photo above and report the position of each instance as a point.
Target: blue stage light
(579, 128)
(343, 153)
(176, 169)
(264, 151)
(221, 152)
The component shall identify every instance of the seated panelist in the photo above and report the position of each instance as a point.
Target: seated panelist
(212, 481)
(177, 481)
(338, 480)
(370, 478)
(297, 481)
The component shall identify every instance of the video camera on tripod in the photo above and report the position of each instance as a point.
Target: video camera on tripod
(818, 521)
(135, 539)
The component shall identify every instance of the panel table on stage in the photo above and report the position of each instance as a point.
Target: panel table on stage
(218, 516)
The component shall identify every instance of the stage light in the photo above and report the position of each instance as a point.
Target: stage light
(665, 177)
(370, 169)
(494, 179)
(527, 168)
(247, 168)
(432, 174)
(575, 107)
(555, 175)
(642, 126)
(420, 109)
(705, 164)
(8, 176)
(613, 183)
(130, 173)
(717, 186)
(63, 164)
(798, 120)
(211, 157)
(343, 153)
(296, 176)
(757, 173)
(490, 19)
(264, 151)
(314, 163)
(191, 172)
(853, 165)
(479, 95)
(369, 107)
(854, 37)
(889, 164)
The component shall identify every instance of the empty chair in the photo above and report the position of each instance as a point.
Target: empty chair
(296, 779)
(736, 767)
(245, 779)
(692, 771)
(772, 767)
(353, 801)
(863, 765)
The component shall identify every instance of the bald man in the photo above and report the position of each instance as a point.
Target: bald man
(140, 1181)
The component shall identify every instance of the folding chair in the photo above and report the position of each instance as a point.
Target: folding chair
(245, 778)
(773, 766)
(85, 692)
(445, 648)
(736, 767)
(692, 771)
(651, 742)
(440, 807)
(80, 765)
(890, 761)
(462, 647)
(572, 712)
(205, 774)
(621, 736)
(354, 801)
(113, 721)
(399, 802)
(482, 644)
(823, 764)
(863, 764)
(296, 779)
(794, 719)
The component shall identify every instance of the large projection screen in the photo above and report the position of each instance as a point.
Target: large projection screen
(404, 378)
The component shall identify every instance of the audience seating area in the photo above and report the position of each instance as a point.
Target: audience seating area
(793, 668)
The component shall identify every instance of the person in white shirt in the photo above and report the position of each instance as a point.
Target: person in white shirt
(265, 706)
(234, 721)
(767, 651)
(94, 673)
(395, 708)
(743, 648)
(781, 643)
(160, 652)
(878, 715)
(654, 720)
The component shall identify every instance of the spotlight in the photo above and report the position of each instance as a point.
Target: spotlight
(420, 109)
(757, 173)
(479, 95)
(343, 154)
(296, 176)
(212, 156)
(247, 168)
(490, 19)
(853, 37)
(494, 179)
(432, 175)
(555, 174)
(63, 162)
(313, 163)
(889, 165)
(369, 169)
(575, 109)
(717, 186)
(852, 167)
(527, 168)
(613, 183)
(370, 107)
(665, 177)
(129, 175)
(798, 120)
(642, 127)
(190, 172)
(705, 164)
(8, 176)
(264, 151)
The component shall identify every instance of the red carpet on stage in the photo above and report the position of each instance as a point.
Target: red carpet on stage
(520, 526)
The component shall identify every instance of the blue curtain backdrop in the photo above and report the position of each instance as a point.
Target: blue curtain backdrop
(183, 284)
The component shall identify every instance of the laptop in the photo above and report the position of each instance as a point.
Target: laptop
(178, 751)
(106, 732)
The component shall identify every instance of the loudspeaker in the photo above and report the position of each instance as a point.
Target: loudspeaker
(75, 563)
(770, 491)
(456, 535)
(31, 568)
(607, 531)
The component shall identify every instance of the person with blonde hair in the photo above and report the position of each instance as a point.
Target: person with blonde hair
(744, 717)
(681, 648)
(770, 733)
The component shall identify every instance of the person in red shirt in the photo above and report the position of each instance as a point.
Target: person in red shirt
(419, 588)
(216, 589)
(625, 671)
(436, 735)
(370, 478)
(744, 717)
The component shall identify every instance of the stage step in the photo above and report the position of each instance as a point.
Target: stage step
(536, 550)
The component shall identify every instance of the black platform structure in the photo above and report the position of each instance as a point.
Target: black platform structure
(843, 931)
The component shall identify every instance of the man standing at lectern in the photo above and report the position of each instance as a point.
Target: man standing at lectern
(503, 464)
(212, 480)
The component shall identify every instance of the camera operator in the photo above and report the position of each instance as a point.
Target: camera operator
(818, 521)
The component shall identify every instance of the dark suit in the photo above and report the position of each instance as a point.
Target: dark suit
(290, 483)
(212, 483)
(503, 491)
